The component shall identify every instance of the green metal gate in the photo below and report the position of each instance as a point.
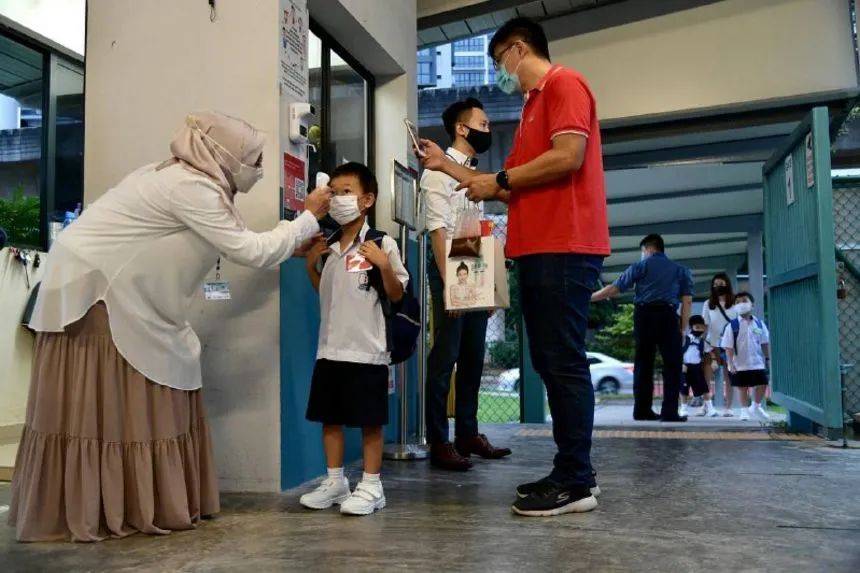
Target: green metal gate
(801, 263)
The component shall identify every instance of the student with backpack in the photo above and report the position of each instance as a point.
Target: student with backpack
(747, 344)
(695, 354)
(360, 277)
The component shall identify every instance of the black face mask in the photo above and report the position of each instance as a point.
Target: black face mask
(479, 140)
(720, 290)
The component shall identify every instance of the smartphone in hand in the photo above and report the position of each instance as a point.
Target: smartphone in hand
(412, 129)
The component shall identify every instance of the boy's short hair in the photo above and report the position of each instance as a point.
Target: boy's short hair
(458, 112)
(526, 30)
(362, 172)
(746, 294)
(654, 241)
(697, 319)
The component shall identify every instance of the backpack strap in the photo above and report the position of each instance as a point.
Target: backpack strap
(687, 343)
(735, 325)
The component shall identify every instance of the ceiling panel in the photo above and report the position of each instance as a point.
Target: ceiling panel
(456, 29)
(532, 10)
(503, 16)
(431, 36)
(712, 250)
(554, 7)
(665, 179)
(666, 210)
(481, 23)
(631, 242)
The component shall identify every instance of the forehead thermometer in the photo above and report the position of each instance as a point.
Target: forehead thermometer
(322, 180)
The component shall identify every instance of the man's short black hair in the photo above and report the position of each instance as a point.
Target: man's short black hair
(746, 294)
(457, 113)
(365, 176)
(526, 30)
(697, 319)
(654, 241)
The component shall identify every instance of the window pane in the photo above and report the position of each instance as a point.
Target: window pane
(20, 141)
(348, 121)
(68, 83)
(315, 91)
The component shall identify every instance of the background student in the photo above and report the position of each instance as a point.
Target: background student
(352, 271)
(695, 351)
(747, 343)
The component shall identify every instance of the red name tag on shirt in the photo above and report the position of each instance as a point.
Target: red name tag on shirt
(357, 264)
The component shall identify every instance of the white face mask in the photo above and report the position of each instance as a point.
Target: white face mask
(744, 307)
(246, 177)
(344, 209)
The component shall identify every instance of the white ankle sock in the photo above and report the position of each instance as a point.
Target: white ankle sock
(709, 404)
(371, 478)
(335, 473)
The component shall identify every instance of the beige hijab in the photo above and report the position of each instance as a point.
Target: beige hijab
(218, 146)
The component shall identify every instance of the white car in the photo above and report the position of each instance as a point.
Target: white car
(608, 375)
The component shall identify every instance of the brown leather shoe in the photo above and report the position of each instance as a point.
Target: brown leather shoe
(480, 446)
(445, 457)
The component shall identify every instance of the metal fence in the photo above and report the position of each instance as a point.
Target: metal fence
(846, 220)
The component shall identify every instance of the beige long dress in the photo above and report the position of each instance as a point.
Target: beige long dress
(105, 451)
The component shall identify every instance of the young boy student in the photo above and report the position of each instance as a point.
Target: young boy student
(746, 341)
(351, 272)
(693, 370)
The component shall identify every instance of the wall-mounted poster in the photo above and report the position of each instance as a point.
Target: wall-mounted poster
(295, 187)
(293, 48)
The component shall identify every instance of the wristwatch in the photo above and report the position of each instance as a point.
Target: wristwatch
(502, 180)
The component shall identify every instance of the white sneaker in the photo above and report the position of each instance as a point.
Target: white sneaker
(366, 499)
(713, 413)
(702, 412)
(728, 414)
(331, 491)
(683, 411)
(745, 414)
(761, 414)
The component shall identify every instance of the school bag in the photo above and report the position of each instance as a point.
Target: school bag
(735, 325)
(402, 319)
(700, 344)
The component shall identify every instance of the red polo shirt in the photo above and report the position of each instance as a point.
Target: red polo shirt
(567, 215)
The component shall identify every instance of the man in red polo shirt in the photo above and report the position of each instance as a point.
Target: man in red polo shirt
(558, 234)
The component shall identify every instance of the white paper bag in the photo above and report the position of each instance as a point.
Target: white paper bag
(473, 284)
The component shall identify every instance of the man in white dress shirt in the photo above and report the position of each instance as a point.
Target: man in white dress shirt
(458, 339)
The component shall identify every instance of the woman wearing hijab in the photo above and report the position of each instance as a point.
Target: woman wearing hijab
(116, 440)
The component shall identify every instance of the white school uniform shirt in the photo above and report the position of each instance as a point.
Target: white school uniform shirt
(144, 248)
(442, 203)
(716, 323)
(352, 326)
(692, 356)
(748, 354)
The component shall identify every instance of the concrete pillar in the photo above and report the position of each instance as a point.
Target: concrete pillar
(755, 262)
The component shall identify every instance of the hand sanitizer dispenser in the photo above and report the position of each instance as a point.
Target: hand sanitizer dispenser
(301, 116)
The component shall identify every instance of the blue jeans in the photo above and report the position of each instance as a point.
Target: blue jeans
(456, 341)
(555, 290)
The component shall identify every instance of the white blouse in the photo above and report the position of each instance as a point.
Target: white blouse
(144, 248)
(716, 322)
(352, 326)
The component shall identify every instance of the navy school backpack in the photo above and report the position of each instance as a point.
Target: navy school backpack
(402, 319)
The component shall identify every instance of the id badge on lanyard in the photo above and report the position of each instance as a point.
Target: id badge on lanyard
(217, 289)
